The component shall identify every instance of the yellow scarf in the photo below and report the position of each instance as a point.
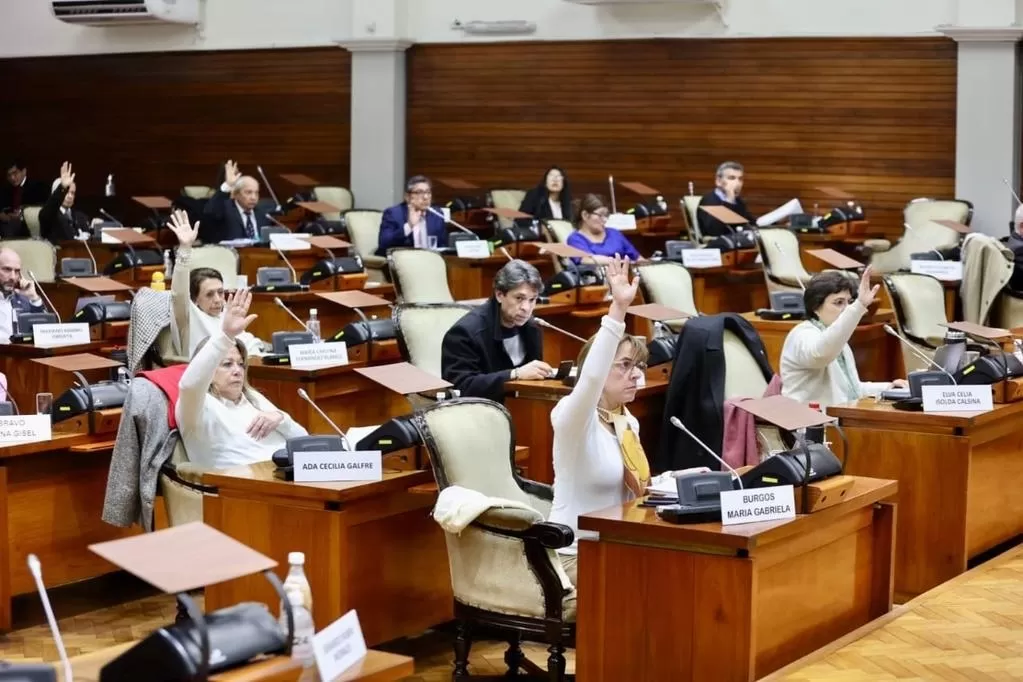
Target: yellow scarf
(637, 468)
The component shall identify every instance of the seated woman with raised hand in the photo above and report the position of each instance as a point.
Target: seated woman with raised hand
(817, 364)
(594, 237)
(223, 421)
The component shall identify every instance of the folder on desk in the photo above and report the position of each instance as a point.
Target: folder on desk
(509, 213)
(639, 188)
(725, 215)
(835, 193)
(96, 285)
(563, 250)
(127, 235)
(980, 331)
(326, 242)
(353, 298)
(835, 259)
(404, 378)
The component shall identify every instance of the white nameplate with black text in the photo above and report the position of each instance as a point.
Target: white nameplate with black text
(621, 221)
(29, 428)
(701, 258)
(775, 503)
(976, 398)
(55, 335)
(339, 646)
(947, 270)
(472, 248)
(320, 467)
(317, 355)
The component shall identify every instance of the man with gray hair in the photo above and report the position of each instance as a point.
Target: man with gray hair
(728, 183)
(231, 213)
(496, 343)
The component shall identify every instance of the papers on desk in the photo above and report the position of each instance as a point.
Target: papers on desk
(622, 221)
(290, 241)
(792, 207)
(357, 433)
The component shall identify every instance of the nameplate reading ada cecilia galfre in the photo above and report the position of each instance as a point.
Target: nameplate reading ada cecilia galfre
(321, 467)
(975, 398)
(757, 504)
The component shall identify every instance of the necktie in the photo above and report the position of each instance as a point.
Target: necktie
(250, 226)
(637, 468)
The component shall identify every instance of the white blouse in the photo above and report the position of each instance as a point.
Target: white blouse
(213, 429)
(556, 212)
(589, 474)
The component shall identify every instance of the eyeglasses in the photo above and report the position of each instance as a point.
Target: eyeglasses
(600, 215)
(421, 192)
(626, 366)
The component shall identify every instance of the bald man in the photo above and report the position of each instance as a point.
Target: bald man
(231, 213)
(17, 295)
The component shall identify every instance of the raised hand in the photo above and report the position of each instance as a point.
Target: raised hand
(622, 290)
(67, 178)
(867, 293)
(231, 173)
(182, 228)
(236, 313)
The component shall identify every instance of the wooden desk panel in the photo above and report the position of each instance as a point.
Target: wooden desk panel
(26, 378)
(472, 278)
(720, 290)
(332, 317)
(952, 472)
(659, 601)
(369, 546)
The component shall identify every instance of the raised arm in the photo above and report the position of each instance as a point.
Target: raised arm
(181, 296)
(820, 350)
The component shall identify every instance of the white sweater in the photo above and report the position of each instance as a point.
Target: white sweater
(213, 429)
(810, 367)
(589, 474)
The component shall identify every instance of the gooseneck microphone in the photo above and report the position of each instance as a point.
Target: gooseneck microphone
(923, 356)
(677, 423)
(269, 188)
(280, 304)
(107, 215)
(37, 575)
(548, 325)
(42, 294)
(305, 396)
(280, 252)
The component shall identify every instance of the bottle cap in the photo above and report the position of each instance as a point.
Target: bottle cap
(312, 311)
(296, 557)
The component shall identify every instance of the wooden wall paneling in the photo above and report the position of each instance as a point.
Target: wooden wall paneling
(159, 121)
(875, 117)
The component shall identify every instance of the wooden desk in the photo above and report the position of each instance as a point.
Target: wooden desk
(965, 629)
(369, 546)
(51, 498)
(956, 473)
(26, 378)
(659, 601)
(471, 278)
(530, 404)
(332, 317)
(376, 666)
(724, 290)
(878, 356)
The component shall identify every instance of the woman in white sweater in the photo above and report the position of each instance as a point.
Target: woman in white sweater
(817, 364)
(223, 421)
(598, 460)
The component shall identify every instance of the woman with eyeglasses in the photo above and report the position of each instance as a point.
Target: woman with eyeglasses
(411, 223)
(223, 421)
(551, 199)
(598, 459)
(594, 236)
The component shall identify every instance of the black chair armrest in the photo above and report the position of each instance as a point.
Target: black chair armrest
(171, 472)
(539, 490)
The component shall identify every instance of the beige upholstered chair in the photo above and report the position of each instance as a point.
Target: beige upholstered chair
(743, 377)
(987, 268)
(670, 284)
(223, 259)
(30, 214)
(507, 198)
(561, 230)
(783, 267)
(919, 303)
(197, 191)
(691, 203)
(922, 234)
(364, 233)
(420, 328)
(419, 276)
(336, 196)
(182, 489)
(505, 574)
(38, 256)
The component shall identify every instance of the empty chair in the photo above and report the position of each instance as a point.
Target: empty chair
(419, 276)
(691, 203)
(919, 303)
(783, 266)
(669, 284)
(37, 256)
(30, 214)
(364, 233)
(507, 198)
(336, 196)
(223, 259)
(420, 328)
(506, 578)
(922, 234)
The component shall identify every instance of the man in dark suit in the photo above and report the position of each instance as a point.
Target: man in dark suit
(496, 343)
(59, 221)
(15, 194)
(17, 295)
(410, 223)
(729, 183)
(231, 213)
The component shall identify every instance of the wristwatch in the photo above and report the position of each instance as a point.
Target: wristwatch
(515, 373)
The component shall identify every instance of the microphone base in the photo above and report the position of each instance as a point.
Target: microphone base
(276, 360)
(283, 288)
(21, 339)
(677, 513)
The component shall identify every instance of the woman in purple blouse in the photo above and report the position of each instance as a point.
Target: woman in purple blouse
(593, 236)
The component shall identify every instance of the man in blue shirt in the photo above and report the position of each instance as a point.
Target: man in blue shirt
(411, 223)
(17, 295)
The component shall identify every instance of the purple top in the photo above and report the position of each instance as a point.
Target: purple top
(614, 243)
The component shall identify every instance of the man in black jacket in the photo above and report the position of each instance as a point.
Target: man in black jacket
(18, 192)
(231, 213)
(730, 177)
(59, 221)
(496, 343)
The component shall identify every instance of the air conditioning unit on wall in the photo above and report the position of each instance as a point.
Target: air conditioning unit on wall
(123, 12)
(713, 3)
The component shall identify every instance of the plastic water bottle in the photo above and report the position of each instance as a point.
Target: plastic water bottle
(168, 266)
(296, 580)
(313, 325)
(123, 376)
(109, 190)
(302, 638)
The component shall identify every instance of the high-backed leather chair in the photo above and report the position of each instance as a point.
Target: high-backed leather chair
(922, 233)
(691, 202)
(364, 233)
(223, 259)
(336, 196)
(420, 328)
(561, 230)
(30, 214)
(507, 198)
(783, 266)
(198, 191)
(919, 303)
(38, 256)
(419, 276)
(506, 577)
(670, 284)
